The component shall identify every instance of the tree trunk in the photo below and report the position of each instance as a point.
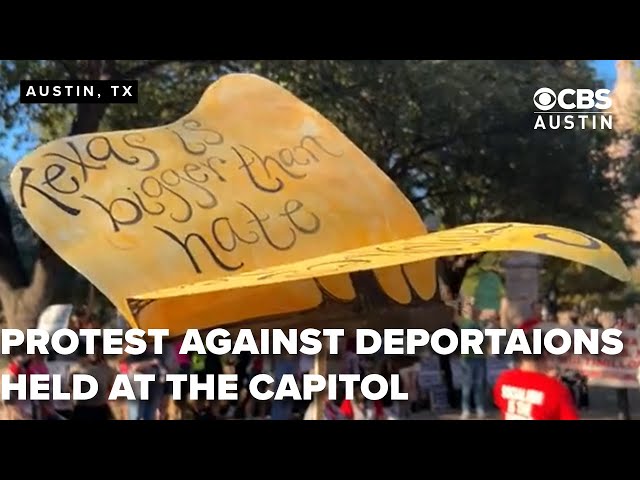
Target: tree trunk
(22, 297)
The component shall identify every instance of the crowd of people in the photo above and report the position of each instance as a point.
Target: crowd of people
(160, 404)
(532, 388)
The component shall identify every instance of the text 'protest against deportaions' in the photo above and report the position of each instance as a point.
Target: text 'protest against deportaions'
(555, 341)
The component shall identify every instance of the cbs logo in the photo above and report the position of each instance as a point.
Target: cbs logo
(569, 99)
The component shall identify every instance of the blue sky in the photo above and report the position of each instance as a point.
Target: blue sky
(606, 70)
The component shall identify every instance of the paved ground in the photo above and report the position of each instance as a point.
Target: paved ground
(603, 407)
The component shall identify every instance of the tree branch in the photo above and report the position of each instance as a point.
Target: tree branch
(419, 198)
(12, 272)
(145, 68)
(70, 71)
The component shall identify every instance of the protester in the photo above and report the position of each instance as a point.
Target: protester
(170, 364)
(305, 366)
(350, 359)
(285, 364)
(183, 361)
(63, 407)
(355, 409)
(385, 368)
(78, 318)
(529, 392)
(256, 408)
(213, 367)
(97, 407)
(361, 409)
(535, 319)
(147, 363)
(473, 366)
(243, 364)
(18, 409)
(42, 409)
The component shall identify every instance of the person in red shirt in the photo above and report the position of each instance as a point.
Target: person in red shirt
(356, 409)
(535, 319)
(528, 392)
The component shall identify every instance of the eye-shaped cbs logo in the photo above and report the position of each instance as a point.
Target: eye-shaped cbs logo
(569, 99)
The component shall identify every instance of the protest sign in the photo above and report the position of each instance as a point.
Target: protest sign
(55, 317)
(251, 206)
(429, 373)
(615, 371)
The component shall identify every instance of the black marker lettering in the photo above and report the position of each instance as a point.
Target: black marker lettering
(192, 167)
(291, 207)
(192, 148)
(213, 138)
(26, 171)
(209, 164)
(144, 206)
(185, 246)
(261, 226)
(78, 161)
(188, 208)
(172, 178)
(591, 245)
(247, 167)
(149, 182)
(155, 159)
(51, 176)
(225, 224)
(146, 185)
(309, 139)
(116, 204)
(93, 147)
(499, 229)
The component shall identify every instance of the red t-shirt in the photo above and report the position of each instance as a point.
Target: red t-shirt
(524, 395)
(15, 369)
(347, 410)
(530, 323)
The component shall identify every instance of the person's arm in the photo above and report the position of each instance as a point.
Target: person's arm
(566, 408)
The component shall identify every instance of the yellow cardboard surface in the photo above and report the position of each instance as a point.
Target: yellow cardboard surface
(250, 189)
(483, 237)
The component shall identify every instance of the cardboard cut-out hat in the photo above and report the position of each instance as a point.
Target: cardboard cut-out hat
(252, 206)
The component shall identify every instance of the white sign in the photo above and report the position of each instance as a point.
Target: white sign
(55, 317)
(613, 371)
(429, 374)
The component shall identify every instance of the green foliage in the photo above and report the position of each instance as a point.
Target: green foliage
(456, 136)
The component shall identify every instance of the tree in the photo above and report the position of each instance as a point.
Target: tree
(25, 292)
(456, 136)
